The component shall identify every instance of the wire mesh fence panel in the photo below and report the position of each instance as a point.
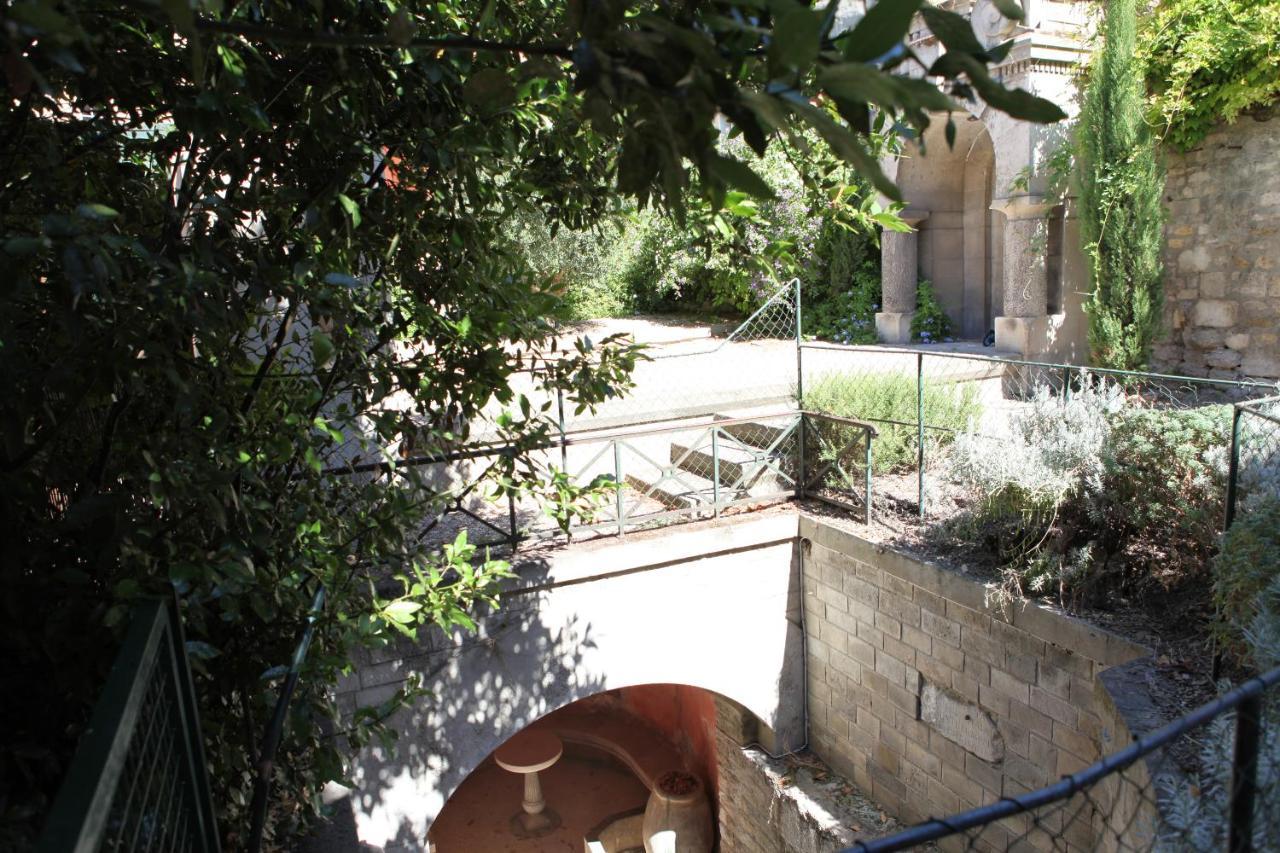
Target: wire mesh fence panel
(1255, 465)
(1207, 781)
(138, 780)
(838, 462)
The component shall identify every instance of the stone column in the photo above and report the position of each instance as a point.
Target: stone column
(1024, 326)
(899, 272)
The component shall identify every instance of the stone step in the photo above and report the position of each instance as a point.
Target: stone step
(747, 468)
(755, 433)
(687, 492)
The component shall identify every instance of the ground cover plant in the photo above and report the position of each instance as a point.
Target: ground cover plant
(889, 401)
(248, 244)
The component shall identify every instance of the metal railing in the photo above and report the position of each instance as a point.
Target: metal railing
(138, 780)
(922, 398)
(652, 475)
(1201, 782)
(1254, 471)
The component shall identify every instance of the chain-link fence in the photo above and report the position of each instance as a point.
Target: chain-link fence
(1254, 475)
(752, 368)
(1207, 781)
(1008, 413)
(138, 780)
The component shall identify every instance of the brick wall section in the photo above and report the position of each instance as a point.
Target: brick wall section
(1222, 254)
(880, 625)
(747, 796)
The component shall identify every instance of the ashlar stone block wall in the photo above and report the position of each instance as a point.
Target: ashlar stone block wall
(1222, 253)
(934, 700)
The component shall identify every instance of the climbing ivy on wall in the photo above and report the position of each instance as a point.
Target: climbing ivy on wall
(1121, 217)
(1206, 61)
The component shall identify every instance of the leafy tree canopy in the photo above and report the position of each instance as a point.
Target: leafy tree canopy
(1206, 61)
(248, 242)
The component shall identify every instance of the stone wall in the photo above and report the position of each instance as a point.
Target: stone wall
(932, 700)
(1222, 254)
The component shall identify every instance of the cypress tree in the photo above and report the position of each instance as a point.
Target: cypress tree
(1121, 180)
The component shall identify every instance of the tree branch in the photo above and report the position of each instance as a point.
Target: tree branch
(257, 32)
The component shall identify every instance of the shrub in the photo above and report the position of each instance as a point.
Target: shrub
(1093, 493)
(930, 323)
(1246, 578)
(846, 315)
(1164, 484)
(889, 401)
(1052, 458)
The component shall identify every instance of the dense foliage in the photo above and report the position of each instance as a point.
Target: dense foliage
(1097, 494)
(247, 245)
(817, 223)
(1207, 61)
(1121, 215)
(1246, 581)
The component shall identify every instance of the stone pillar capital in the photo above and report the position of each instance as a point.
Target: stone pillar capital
(913, 216)
(1023, 207)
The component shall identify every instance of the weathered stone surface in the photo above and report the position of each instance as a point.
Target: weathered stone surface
(1223, 359)
(1222, 248)
(961, 722)
(1215, 313)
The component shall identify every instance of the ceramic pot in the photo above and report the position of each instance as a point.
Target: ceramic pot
(677, 818)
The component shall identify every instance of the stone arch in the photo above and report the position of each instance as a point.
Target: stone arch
(715, 608)
(958, 248)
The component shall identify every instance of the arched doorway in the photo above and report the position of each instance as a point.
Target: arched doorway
(960, 241)
(615, 746)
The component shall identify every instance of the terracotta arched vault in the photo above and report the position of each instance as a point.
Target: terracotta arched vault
(716, 608)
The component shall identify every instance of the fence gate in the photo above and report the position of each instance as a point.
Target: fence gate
(139, 778)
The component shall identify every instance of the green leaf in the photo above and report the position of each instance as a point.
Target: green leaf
(231, 61)
(201, 650)
(96, 212)
(796, 33)
(321, 349)
(859, 82)
(1011, 9)
(847, 145)
(1018, 103)
(952, 30)
(24, 245)
(401, 611)
(352, 209)
(735, 173)
(885, 25)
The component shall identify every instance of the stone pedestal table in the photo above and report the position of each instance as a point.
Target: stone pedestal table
(528, 753)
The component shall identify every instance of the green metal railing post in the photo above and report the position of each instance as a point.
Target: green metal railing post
(275, 731)
(867, 461)
(1233, 469)
(802, 476)
(617, 478)
(920, 426)
(715, 473)
(1244, 775)
(799, 351)
(564, 441)
(1066, 384)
